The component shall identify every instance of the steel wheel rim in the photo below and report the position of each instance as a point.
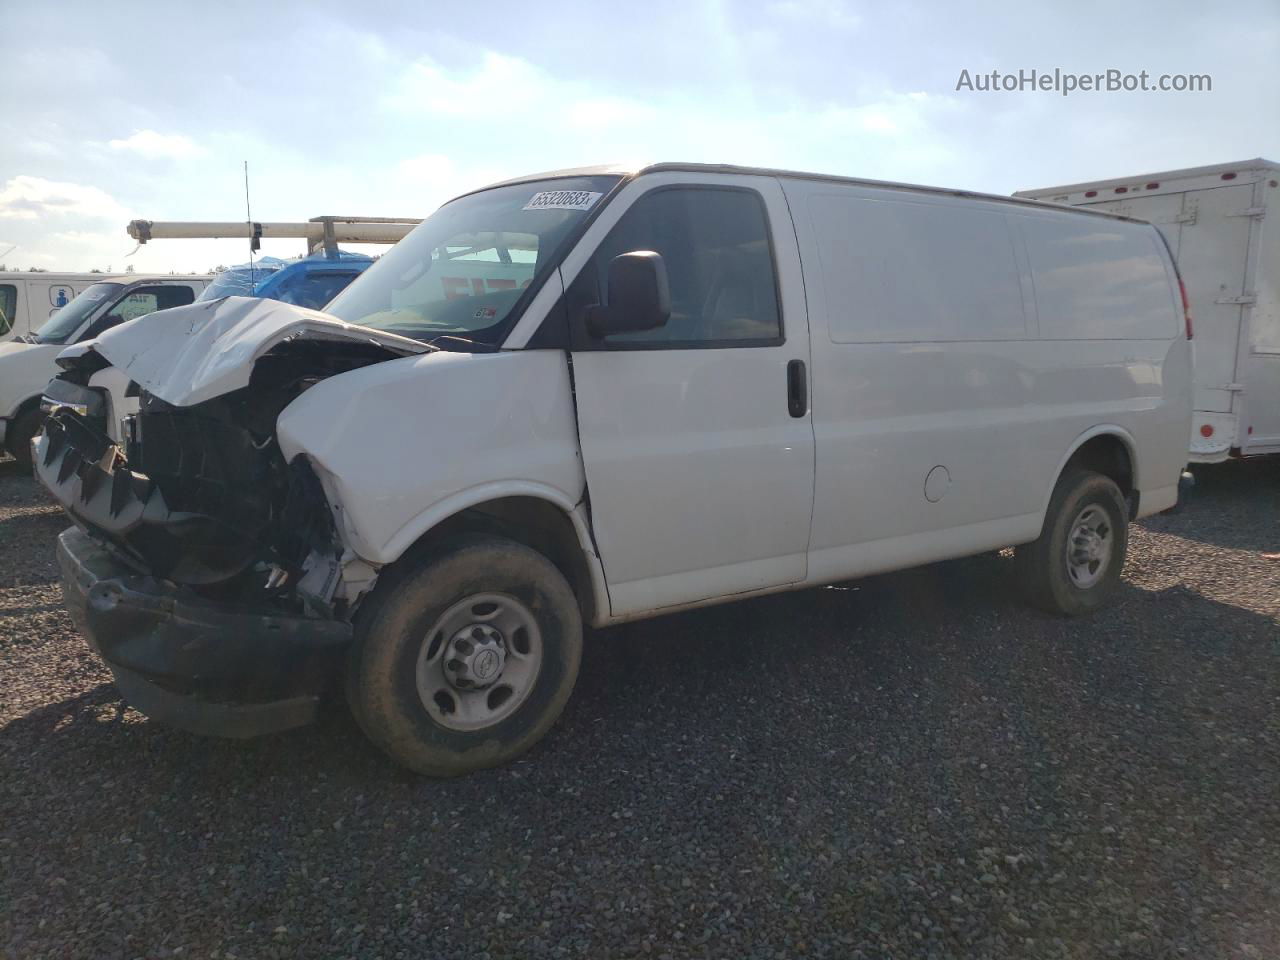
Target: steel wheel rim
(479, 661)
(1089, 547)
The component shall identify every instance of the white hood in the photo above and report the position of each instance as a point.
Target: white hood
(190, 354)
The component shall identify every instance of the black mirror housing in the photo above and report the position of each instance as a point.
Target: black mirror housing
(637, 298)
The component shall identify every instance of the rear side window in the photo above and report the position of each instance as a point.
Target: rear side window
(313, 290)
(1099, 279)
(907, 271)
(8, 306)
(719, 260)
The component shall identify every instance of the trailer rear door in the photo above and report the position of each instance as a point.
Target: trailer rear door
(1213, 256)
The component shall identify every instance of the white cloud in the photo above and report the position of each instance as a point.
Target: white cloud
(149, 143)
(39, 148)
(830, 13)
(560, 121)
(427, 168)
(434, 178)
(32, 198)
(501, 86)
(599, 112)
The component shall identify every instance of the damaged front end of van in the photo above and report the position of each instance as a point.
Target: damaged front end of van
(206, 567)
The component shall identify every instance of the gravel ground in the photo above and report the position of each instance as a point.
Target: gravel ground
(908, 766)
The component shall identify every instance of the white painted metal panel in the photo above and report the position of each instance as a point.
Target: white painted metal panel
(1000, 416)
(1228, 252)
(700, 480)
(402, 445)
(1212, 258)
(909, 269)
(1098, 279)
(1259, 356)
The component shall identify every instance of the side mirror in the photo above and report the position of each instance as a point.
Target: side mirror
(637, 297)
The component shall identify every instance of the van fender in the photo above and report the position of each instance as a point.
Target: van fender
(461, 500)
(22, 406)
(1098, 430)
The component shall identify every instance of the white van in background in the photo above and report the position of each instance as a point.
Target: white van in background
(654, 389)
(27, 300)
(27, 364)
(1228, 252)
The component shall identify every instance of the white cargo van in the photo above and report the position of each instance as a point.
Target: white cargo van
(28, 300)
(1228, 252)
(598, 395)
(27, 364)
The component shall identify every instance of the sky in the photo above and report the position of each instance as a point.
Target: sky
(111, 112)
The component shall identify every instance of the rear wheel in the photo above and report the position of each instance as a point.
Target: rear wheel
(22, 429)
(466, 660)
(1075, 565)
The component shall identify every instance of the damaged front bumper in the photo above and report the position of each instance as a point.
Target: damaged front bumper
(210, 668)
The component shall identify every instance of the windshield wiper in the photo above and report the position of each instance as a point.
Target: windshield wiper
(446, 341)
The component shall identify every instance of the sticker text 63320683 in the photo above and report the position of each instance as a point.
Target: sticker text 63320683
(562, 200)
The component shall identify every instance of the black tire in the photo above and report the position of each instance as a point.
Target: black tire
(1043, 566)
(22, 429)
(392, 629)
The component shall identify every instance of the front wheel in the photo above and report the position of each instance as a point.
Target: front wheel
(22, 430)
(1074, 567)
(465, 661)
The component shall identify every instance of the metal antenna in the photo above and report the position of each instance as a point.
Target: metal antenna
(248, 216)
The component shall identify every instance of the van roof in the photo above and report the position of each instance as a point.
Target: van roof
(149, 277)
(1257, 163)
(728, 168)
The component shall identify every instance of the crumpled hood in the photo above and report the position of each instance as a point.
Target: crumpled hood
(187, 355)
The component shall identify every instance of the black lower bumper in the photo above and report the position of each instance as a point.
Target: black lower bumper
(210, 668)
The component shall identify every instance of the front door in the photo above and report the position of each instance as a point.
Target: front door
(696, 437)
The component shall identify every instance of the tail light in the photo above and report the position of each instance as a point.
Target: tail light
(1186, 306)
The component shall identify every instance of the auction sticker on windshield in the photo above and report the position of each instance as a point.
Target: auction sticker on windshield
(562, 200)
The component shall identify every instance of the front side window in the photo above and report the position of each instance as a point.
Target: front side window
(464, 270)
(715, 245)
(139, 303)
(60, 327)
(8, 306)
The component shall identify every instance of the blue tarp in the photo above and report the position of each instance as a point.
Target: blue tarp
(308, 282)
(240, 280)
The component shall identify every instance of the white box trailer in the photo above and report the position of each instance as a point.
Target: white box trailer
(1223, 225)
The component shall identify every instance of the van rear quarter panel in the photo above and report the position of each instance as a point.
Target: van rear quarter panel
(949, 441)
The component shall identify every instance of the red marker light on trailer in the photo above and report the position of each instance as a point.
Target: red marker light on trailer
(1153, 186)
(1228, 176)
(1206, 430)
(1090, 193)
(1186, 306)
(1122, 189)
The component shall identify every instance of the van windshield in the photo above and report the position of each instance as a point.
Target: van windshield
(63, 324)
(463, 270)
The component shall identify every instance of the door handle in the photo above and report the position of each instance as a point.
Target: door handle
(797, 389)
